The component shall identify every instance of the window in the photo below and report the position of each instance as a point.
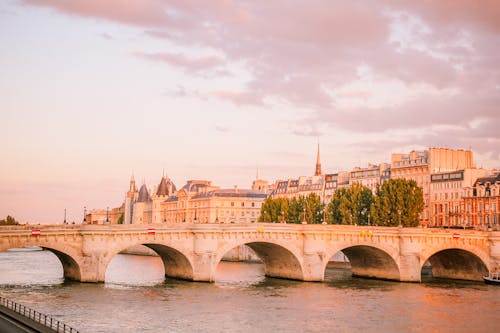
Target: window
(242, 204)
(232, 204)
(253, 204)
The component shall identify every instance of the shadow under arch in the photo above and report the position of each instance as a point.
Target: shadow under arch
(456, 264)
(175, 263)
(279, 262)
(71, 268)
(371, 262)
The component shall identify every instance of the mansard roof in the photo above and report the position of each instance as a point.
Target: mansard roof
(232, 193)
(143, 194)
(490, 179)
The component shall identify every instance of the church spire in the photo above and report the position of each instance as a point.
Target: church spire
(132, 188)
(318, 164)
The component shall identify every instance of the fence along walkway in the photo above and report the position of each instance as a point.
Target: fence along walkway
(47, 321)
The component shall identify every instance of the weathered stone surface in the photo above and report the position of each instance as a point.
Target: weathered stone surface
(301, 252)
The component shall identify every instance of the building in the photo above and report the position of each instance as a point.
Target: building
(419, 165)
(446, 191)
(200, 202)
(371, 176)
(481, 203)
(197, 202)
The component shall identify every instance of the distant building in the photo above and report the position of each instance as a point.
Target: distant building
(446, 192)
(371, 176)
(419, 165)
(198, 202)
(481, 202)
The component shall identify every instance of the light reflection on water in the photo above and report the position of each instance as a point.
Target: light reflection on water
(137, 298)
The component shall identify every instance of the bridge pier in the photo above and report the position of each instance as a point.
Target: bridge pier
(315, 259)
(409, 260)
(93, 268)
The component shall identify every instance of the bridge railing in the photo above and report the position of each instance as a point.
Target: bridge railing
(38, 317)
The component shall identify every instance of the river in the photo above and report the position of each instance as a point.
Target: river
(137, 298)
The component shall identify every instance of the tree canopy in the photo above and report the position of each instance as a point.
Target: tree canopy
(350, 205)
(306, 208)
(9, 220)
(398, 202)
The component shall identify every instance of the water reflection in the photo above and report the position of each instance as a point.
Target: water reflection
(137, 298)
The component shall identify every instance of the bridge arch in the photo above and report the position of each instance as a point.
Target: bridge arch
(69, 259)
(457, 263)
(175, 262)
(368, 260)
(280, 260)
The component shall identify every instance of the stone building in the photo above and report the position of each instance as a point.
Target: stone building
(481, 202)
(446, 191)
(371, 176)
(419, 165)
(198, 202)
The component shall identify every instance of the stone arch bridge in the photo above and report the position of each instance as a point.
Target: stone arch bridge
(291, 251)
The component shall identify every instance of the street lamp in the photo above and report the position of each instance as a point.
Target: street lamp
(107, 214)
(399, 215)
(304, 221)
(84, 213)
(65, 216)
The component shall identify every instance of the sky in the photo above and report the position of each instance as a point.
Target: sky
(94, 91)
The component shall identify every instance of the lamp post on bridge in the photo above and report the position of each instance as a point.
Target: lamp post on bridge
(65, 222)
(84, 214)
(107, 214)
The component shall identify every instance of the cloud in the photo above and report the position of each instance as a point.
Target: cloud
(374, 67)
(194, 64)
(222, 129)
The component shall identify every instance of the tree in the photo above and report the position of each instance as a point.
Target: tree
(121, 218)
(9, 220)
(294, 211)
(312, 207)
(350, 205)
(398, 202)
(273, 210)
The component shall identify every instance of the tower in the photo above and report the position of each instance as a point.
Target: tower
(318, 165)
(129, 201)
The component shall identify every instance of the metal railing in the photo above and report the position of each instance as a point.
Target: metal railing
(38, 317)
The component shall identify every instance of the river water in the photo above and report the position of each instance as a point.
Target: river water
(137, 298)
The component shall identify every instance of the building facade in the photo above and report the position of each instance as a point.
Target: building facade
(196, 202)
(371, 176)
(419, 165)
(446, 195)
(481, 203)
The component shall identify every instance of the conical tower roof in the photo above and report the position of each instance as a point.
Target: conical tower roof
(166, 187)
(143, 194)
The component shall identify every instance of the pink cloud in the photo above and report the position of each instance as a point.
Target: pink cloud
(189, 63)
(293, 50)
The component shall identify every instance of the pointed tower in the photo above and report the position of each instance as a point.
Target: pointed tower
(132, 188)
(318, 165)
(129, 201)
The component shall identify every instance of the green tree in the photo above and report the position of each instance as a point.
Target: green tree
(273, 210)
(294, 211)
(121, 218)
(9, 220)
(312, 207)
(398, 201)
(350, 205)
